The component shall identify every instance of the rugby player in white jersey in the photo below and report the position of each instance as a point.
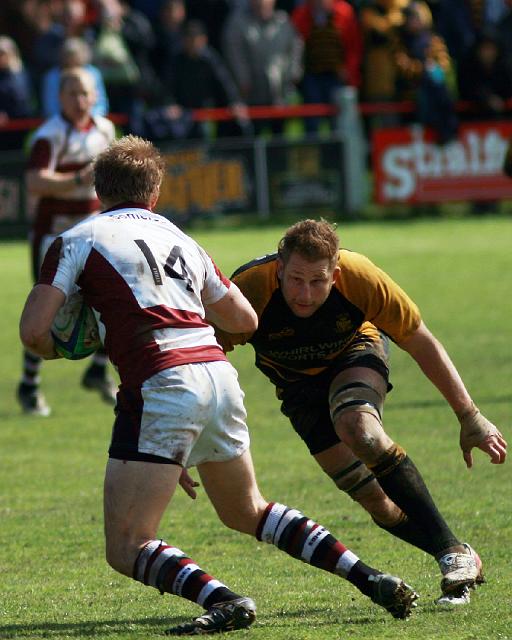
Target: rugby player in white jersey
(60, 185)
(179, 404)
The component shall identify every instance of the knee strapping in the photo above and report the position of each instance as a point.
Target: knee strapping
(356, 396)
(352, 479)
(388, 461)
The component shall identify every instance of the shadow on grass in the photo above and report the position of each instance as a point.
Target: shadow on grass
(158, 625)
(87, 629)
(316, 617)
(441, 402)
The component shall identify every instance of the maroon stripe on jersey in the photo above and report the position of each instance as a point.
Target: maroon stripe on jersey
(52, 207)
(225, 281)
(68, 167)
(129, 340)
(40, 154)
(178, 317)
(156, 360)
(51, 262)
(49, 208)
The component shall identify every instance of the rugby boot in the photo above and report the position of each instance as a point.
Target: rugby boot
(460, 570)
(459, 597)
(394, 595)
(32, 401)
(98, 380)
(221, 617)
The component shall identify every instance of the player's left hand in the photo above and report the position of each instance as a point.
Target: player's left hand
(477, 431)
(188, 483)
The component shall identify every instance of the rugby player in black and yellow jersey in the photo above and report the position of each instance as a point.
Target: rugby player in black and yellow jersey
(325, 319)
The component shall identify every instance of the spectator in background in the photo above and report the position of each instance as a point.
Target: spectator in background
(122, 51)
(456, 26)
(380, 22)
(169, 39)
(286, 5)
(213, 14)
(24, 21)
(504, 31)
(68, 19)
(332, 50)
(16, 97)
(424, 68)
(264, 53)
(460, 22)
(75, 52)
(150, 8)
(60, 183)
(139, 35)
(201, 79)
(485, 77)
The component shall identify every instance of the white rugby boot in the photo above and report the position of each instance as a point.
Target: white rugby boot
(461, 572)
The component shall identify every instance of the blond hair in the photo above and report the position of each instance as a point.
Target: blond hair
(76, 73)
(312, 240)
(11, 48)
(130, 170)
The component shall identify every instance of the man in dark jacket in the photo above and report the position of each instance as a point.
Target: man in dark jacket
(201, 79)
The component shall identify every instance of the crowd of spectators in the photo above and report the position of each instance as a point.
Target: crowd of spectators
(156, 60)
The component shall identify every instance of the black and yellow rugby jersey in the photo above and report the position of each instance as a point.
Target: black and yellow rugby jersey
(288, 348)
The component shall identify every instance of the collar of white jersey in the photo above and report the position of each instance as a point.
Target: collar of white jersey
(128, 205)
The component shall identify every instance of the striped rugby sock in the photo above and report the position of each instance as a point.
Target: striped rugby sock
(169, 570)
(31, 369)
(298, 536)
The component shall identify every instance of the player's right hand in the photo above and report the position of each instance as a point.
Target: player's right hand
(187, 483)
(477, 431)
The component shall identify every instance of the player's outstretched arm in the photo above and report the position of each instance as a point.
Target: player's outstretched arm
(476, 430)
(36, 320)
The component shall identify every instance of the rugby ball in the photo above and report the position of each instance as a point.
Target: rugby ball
(75, 330)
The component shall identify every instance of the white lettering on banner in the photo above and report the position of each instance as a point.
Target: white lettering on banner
(396, 164)
(418, 163)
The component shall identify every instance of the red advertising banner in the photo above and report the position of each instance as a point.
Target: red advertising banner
(409, 166)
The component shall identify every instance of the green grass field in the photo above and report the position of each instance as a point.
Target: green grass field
(54, 580)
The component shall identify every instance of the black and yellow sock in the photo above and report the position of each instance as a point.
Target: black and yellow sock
(402, 482)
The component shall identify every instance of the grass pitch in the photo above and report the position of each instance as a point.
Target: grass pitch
(54, 580)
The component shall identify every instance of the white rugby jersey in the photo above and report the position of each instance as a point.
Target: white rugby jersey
(71, 149)
(147, 282)
(59, 146)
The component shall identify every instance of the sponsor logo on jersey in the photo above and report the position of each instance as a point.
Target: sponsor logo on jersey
(284, 333)
(344, 323)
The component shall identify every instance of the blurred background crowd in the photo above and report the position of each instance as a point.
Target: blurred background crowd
(154, 61)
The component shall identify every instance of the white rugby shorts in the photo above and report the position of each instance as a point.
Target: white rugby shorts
(187, 414)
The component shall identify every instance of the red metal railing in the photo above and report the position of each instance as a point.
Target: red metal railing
(265, 112)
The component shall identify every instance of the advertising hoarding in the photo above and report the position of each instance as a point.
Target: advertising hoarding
(410, 167)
